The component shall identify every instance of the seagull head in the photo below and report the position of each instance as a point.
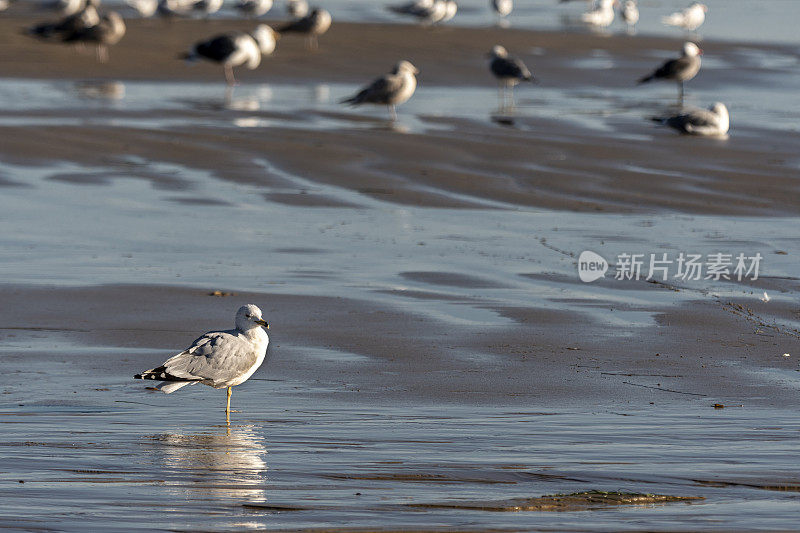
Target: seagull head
(248, 317)
(405, 66)
(498, 51)
(691, 50)
(266, 38)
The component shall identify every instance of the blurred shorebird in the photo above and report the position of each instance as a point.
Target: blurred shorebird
(253, 8)
(509, 72)
(312, 26)
(502, 9)
(108, 32)
(206, 8)
(680, 70)
(78, 21)
(630, 15)
(711, 122)
(689, 19)
(297, 8)
(235, 49)
(602, 15)
(390, 90)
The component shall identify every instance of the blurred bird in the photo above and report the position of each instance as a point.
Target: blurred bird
(254, 8)
(312, 26)
(689, 19)
(145, 8)
(711, 122)
(426, 12)
(65, 7)
(108, 32)
(680, 70)
(602, 15)
(630, 15)
(85, 18)
(509, 71)
(297, 8)
(235, 49)
(502, 8)
(450, 10)
(391, 89)
(206, 7)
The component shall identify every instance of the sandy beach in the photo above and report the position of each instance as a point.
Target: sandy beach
(433, 354)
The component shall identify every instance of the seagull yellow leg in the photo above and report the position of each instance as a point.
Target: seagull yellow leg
(228, 404)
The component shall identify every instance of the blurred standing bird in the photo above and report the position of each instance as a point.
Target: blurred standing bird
(85, 18)
(312, 26)
(235, 49)
(509, 71)
(680, 70)
(602, 15)
(108, 32)
(689, 19)
(630, 15)
(145, 8)
(254, 8)
(450, 10)
(297, 8)
(391, 90)
(206, 7)
(502, 9)
(711, 122)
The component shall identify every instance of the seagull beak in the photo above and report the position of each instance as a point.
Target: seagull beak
(262, 323)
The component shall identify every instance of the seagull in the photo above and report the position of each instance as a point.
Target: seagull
(218, 358)
(85, 18)
(206, 7)
(236, 49)
(450, 10)
(426, 12)
(681, 69)
(65, 7)
(391, 90)
(105, 33)
(630, 14)
(297, 8)
(145, 8)
(508, 70)
(602, 15)
(312, 25)
(502, 8)
(254, 8)
(711, 122)
(689, 19)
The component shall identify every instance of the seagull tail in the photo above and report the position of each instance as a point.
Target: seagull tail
(171, 383)
(351, 100)
(189, 57)
(651, 77)
(172, 386)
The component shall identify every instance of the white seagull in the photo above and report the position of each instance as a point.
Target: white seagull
(502, 8)
(235, 49)
(254, 8)
(206, 7)
(297, 8)
(218, 358)
(681, 69)
(602, 15)
(630, 14)
(391, 89)
(711, 122)
(689, 19)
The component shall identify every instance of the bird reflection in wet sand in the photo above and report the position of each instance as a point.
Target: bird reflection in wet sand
(229, 463)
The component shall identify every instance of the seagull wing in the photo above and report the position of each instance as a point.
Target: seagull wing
(379, 91)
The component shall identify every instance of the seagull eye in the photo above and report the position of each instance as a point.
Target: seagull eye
(249, 316)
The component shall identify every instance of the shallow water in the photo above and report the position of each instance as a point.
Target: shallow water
(113, 458)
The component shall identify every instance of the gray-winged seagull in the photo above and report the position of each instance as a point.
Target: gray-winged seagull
(391, 89)
(218, 358)
(312, 26)
(711, 122)
(681, 69)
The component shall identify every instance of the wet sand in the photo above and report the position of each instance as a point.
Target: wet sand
(432, 347)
